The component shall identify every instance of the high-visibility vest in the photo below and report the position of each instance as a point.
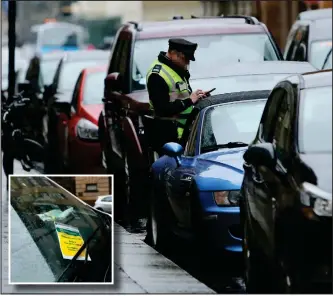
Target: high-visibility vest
(178, 90)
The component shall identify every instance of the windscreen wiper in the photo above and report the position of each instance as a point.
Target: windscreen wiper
(221, 146)
(77, 254)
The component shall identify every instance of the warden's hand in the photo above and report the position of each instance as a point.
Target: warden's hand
(197, 95)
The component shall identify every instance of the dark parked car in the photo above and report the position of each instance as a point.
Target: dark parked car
(310, 38)
(286, 207)
(48, 229)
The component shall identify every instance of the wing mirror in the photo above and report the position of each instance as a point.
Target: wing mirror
(173, 150)
(113, 82)
(262, 154)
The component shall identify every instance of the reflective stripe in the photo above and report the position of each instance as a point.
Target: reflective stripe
(172, 78)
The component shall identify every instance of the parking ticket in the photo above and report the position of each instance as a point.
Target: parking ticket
(70, 241)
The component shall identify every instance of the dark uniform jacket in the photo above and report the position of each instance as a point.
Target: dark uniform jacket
(160, 132)
(159, 91)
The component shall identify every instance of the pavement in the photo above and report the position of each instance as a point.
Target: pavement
(138, 268)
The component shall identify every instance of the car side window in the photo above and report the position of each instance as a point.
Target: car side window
(298, 49)
(138, 77)
(124, 57)
(190, 145)
(75, 97)
(290, 43)
(107, 199)
(269, 115)
(116, 56)
(302, 48)
(283, 125)
(121, 59)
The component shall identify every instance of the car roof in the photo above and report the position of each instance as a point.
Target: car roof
(317, 79)
(262, 68)
(85, 54)
(196, 26)
(232, 97)
(315, 14)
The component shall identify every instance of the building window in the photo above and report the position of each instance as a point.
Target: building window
(91, 187)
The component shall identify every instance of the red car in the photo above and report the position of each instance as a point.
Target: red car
(77, 131)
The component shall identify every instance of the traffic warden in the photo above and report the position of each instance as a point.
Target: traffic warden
(170, 94)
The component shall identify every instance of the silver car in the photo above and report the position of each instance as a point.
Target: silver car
(104, 203)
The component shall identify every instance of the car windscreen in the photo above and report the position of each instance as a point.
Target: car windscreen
(71, 71)
(233, 122)
(53, 224)
(93, 88)
(319, 52)
(48, 69)
(212, 51)
(315, 120)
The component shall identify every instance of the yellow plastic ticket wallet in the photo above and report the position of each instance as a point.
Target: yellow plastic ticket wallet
(70, 241)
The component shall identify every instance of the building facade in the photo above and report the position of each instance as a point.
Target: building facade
(86, 188)
(277, 15)
(137, 10)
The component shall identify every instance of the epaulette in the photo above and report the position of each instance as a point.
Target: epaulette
(156, 69)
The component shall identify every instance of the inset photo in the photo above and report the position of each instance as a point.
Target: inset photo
(60, 229)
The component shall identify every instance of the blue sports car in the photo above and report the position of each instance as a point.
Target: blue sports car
(195, 192)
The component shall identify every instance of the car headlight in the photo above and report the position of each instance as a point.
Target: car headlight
(227, 198)
(87, 130)
(316, 199)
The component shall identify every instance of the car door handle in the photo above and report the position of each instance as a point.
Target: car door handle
(257, 179)
(186, 179)
(246, 166)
